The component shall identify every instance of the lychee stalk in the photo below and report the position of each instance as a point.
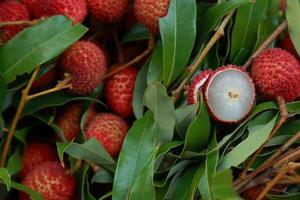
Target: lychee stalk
(22, 22)
(24, 100)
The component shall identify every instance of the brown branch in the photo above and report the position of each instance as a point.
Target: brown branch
(20, 108)
(21, 22)
(268, 41)
(283, 117)
(149, 49)
(192, 68)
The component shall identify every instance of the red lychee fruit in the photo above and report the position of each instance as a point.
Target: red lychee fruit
(148, 12)
(51, 180)
(35, 154)
(288, 45)
(197, 85)
(119, 91)
(69, 119)
(108, 11)
(74, 9)
(275, 73)
(86, 65)
(47, 79)
(11, 11)
(229, 94)
(110, 130)
(253, 193)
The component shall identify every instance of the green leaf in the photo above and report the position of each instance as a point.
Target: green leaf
(178, 32)
(222, 186)
(155, 65)
(37, 45)
(292, 14)
(198, 132)
(139, 91)
(168, 146)
(247, 20)
(14, 164)
(162, 106)
(211, 162)
(294, 196)
(103, 176)
(3, 88)
(5, 177)
(61, 148)
(138, 32)
(136, 150)
(184, 116)
(143, 187)
(247, 147)
(91, 150)
(293, 107)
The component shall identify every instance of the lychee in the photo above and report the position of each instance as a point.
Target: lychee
(253, 193)
(229, 94)
(69, 119)
(45, 80)
(86, 65)
(51, 180)
(119, 91)
(108, 11)
(148, 12)
(74, 9)
(110, 130)
(275, 73)
(35, 154)
(288, 45)
(11, 11)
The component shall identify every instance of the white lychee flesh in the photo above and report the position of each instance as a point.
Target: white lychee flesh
(230, 95)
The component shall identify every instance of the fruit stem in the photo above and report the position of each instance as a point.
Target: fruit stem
(151, 45)
(20, 108)
(192, 68)
(21, 22)
(289, 167)
(267, 42)
(106, 195)
(24, 100)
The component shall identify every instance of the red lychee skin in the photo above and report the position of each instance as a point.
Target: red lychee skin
(11, 11)
(196, 86)
(205, 90)
(110, 130)
(148, 12)
(74, 9)
(253, 193)
(288, 45)
(47, 79)
(119, 91)
(108, 11)
(86, 65)
(51, 180)
(69, 119)
(276, 72)
(35, 154)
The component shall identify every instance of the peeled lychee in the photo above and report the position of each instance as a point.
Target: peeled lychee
(35, 154)
(197, 85)
(74, 9)
(51, 180)
(69, 119)
(229, 94)
(148, 12)
(119, 91)
(86, 65)
(288, 45)
(45, 80)
(275, 73)
(11, 11)
(108, 11)
(110, 130)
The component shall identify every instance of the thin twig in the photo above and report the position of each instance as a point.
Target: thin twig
(21, 22)
(149, 49)
(268, 41)
(192, 68)
(283, 117)
(20, 108)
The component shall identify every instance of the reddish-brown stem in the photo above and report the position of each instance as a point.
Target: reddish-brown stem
(267, 42)
(21, 22)
(149, 49)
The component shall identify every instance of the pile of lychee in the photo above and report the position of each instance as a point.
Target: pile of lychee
(229, 92)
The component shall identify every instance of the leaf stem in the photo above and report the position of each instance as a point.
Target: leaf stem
(192, 68)
(149, 49)
(267, 42)
(21, 22)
